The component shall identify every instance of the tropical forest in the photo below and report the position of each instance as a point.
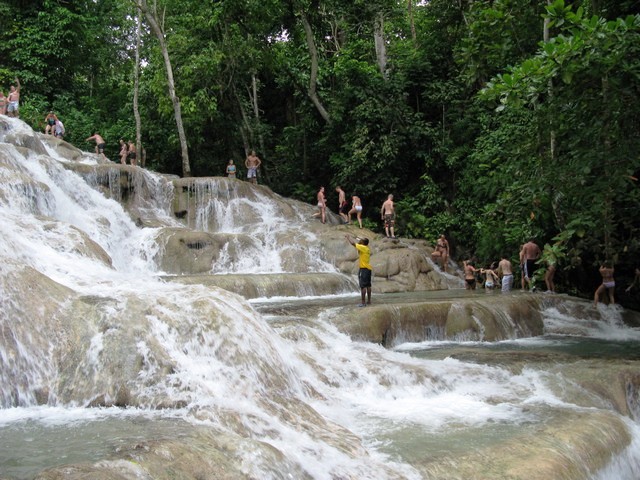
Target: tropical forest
(492, 122)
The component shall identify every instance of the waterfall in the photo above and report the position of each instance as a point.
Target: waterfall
(110, 368)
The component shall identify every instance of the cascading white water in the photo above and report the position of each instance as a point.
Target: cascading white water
(332, 408)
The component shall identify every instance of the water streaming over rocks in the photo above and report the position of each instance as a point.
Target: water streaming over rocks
(159, 328)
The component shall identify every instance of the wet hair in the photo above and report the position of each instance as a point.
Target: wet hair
(365, 241)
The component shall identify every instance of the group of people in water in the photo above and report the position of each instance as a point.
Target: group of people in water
(530, 262)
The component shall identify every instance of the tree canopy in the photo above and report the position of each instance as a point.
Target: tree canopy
(491, 121)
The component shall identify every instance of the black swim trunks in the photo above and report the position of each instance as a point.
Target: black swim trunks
(364, 278)
(101, 147)
(529, 268)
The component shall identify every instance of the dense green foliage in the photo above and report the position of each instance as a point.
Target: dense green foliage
(482, 130)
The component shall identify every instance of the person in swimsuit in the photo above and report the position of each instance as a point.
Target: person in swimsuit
(124, 152)
(50, 121)
(231, 169)
(58, 130)
(100, 143)
(491, 279)
(356, 207)
(388, 214)
(549, 274)
(343, 206)
(14, 100)
(469, 275)
(608, 284)
(530, 253)
(322, 206)
(441, 252)
(3, 103)
(252, 163)
(505, 270)
(133, 154)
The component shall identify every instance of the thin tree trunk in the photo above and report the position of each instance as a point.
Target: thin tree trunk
(141, 159)
(256, 114)
(313, 79)
(381, 48)
(155, 27)
(555, 205)
(412, 23)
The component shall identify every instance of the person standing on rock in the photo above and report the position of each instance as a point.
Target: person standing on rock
(388, 214)
(124, 152)
(608, 284)
(13, 108)
(252, 163)
(365, 270)
(343, 206)
(322, 206)
(356, 207)
(133, 154)
(441, 252)
(231, 170)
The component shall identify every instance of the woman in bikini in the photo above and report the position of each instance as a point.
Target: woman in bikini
(356, 207)
(124, 152)
(441, 253)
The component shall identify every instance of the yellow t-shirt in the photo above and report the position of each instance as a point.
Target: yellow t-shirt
(365, 254)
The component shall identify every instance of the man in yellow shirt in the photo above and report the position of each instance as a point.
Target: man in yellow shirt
(364, 274)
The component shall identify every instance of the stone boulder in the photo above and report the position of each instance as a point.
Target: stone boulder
(399, 265)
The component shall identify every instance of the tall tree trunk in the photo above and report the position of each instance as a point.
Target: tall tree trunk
(381, 48)
(256, 113)
(157, 30)
(557, 209)
(412, 23)
(136, 91)
(313, 78)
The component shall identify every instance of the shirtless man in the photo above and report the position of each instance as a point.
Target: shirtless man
(14, 100)
(132, 154)
(530, 253)
(388, 215)
(252, 163)
(608, 283)
(505, 271)
(356, 207)
(100, 143)
(343, 206)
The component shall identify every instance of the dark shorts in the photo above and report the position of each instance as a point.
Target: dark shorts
(529, 268)
(389, 220)
(131, 155)
(344, 208)
(101, 147)
(364, 278)
(471, 282)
